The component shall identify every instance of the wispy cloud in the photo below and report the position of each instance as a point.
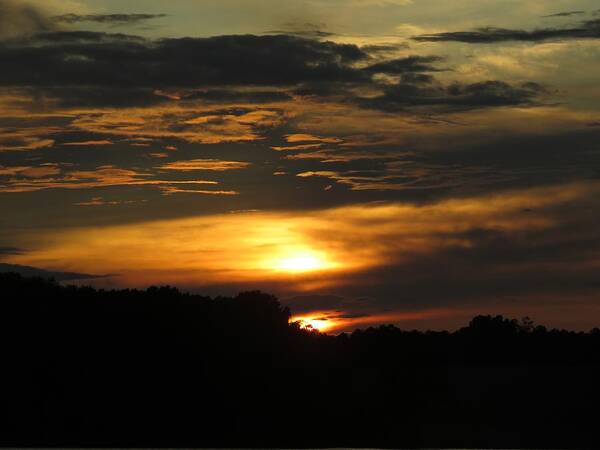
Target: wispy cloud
(104, 176)
(88, 143)
(216, 165)
(565, 14)
(589, 29)
(112, 19)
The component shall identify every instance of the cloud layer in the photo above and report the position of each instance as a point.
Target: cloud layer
(589, 29)
(423, 176)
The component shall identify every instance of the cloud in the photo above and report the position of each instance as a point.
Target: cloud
(20, 134)
(405, 65)
(96, 96)
(19, 18)
(88, 143)
(237, 96)
(363, 180)
(382, 48)
(192, 123)
(28, 271)
(112, 19)
(306, 142)
(310, 303)
(304, 30)
(41, 171)
(100, 201)
(300, 137)
(332, 156)
(82, 58)
(516, 250)
(457, 96)
(11, 251)
(169, 190)
(292, 148)
(216, 165)
(565, 14)
(589, 29)
(104, 176)
(78, 69)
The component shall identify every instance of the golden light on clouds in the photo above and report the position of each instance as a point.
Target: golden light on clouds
(301, 261)
(193, 123)
(337, 321)
(366, 158)
(216, 165)
(310, 323)
(309, 249)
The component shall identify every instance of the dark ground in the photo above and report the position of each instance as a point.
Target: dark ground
(158, 368)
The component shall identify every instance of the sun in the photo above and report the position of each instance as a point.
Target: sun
(302, 262)
(312, 324)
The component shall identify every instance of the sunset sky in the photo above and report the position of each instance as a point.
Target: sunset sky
(414, 162)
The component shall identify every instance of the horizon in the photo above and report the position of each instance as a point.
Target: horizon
(162, 369)
(416, 163)
(323, 325)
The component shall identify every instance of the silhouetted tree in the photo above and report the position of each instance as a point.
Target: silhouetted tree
(162, 368)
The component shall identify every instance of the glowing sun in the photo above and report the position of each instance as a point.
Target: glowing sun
(312, 324)
(308, 261)
(304, 263)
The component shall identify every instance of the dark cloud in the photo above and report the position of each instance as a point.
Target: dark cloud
(100, 96)
(78, 68)
(589, 29)
(484, 94)
(334, 306)
(383, 48)
(11, 251)
(28, 271)
(306, 303)
(86, 58)
(485, 264)
(565, 14)
(114, 19)
(305, 30)
(350, 316)
(308, 34)
(409, 64)
(225, 96)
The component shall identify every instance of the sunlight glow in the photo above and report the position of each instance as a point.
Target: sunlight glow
(299, 260)
(301, 263)
(312, 324)
(296, 252)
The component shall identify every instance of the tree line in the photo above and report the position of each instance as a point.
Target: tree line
(161, 368)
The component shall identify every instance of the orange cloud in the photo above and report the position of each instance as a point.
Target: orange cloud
(190, 123)
(103, 176)
(292, 138)
(169, 190)
(99, 201)
(253, 246)
(216, 165)
(88, 143)
(31, 172)
(296, 147)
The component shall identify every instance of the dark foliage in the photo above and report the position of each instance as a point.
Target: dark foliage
(86, 367)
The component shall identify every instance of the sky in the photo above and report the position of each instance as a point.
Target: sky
(415, 162)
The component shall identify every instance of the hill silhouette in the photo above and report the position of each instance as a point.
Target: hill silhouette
(28, 271)
(161, 368)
